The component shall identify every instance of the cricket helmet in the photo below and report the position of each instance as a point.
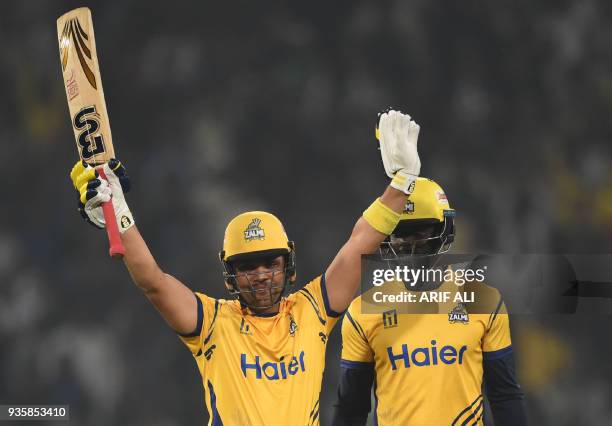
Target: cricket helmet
(255, 235)
(427, 208)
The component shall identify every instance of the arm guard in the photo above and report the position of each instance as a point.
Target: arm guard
(503, 391)
(354, 390)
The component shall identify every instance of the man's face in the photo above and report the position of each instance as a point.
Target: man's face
(417, 241)
(260, 281)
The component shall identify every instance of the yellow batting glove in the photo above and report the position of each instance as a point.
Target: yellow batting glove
(93, 191)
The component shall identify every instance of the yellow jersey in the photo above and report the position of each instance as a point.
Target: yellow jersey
(428, 366)
(263, 370)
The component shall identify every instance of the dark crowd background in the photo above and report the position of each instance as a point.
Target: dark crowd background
(217, 108)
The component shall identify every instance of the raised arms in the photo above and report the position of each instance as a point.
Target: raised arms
(398, 136)
(174, 301)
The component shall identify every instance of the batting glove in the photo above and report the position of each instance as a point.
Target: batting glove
(398, 135)
(93, 191)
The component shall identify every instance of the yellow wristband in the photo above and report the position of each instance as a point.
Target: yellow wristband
(381, 217)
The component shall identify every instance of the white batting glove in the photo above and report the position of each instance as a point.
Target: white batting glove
(93, 191)
(398, 135)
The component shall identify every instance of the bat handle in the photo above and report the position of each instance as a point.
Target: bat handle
(114, 237)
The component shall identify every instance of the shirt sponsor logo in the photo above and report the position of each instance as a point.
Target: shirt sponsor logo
(280, 370)
(426, 356)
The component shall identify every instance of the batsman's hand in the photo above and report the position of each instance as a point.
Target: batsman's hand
(398, 135)
(93, 191)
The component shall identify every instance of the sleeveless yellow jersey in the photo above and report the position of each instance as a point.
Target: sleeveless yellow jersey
(263, 370)
(428, 366)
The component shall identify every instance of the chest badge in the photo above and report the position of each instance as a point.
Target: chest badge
(254, 231)
(245, 328)
(293, 327)
(459, 315)
(390, 318)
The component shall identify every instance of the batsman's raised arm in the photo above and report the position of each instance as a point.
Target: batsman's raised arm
(398, 135)
(174, 301)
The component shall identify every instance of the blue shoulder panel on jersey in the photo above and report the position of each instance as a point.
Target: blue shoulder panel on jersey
(497, 354)
(356, 365)
(212, 323)
(198, 328)
(494, 314)
(357, 326)
(216, 418)
(314, 304)
(328, 310)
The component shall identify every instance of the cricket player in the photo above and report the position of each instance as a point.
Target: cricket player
(427, 367)
(260, 354)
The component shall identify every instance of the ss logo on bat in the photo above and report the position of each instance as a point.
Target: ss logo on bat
(90, 142)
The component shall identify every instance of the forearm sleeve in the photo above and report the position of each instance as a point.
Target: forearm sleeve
(354, 390)
(504, 393)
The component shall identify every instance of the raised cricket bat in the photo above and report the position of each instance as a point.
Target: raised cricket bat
(81, 72)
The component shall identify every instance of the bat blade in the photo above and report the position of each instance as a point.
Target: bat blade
(83, 83)
(86, 103)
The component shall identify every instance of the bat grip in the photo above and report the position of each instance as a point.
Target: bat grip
(114, 237)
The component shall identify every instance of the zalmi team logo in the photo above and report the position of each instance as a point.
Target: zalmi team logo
(292, 326)
(459, 315)
(254, 231)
